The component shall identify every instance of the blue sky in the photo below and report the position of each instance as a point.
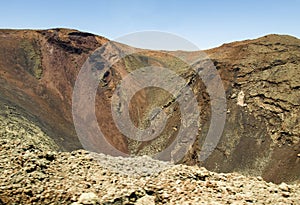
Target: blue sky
(206, 23)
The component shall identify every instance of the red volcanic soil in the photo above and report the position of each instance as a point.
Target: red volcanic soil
(38, 70)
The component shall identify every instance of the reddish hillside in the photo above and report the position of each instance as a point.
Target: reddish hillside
(38, 70)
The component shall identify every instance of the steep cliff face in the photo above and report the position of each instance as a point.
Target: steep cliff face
(261, 136)
(38, 70)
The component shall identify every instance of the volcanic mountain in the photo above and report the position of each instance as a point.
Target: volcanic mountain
(39, 68)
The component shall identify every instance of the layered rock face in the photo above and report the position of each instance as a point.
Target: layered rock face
(38, 70)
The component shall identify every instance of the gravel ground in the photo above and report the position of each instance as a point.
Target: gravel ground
(29, 175)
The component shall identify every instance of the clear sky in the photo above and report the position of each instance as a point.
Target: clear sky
(208, 23)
